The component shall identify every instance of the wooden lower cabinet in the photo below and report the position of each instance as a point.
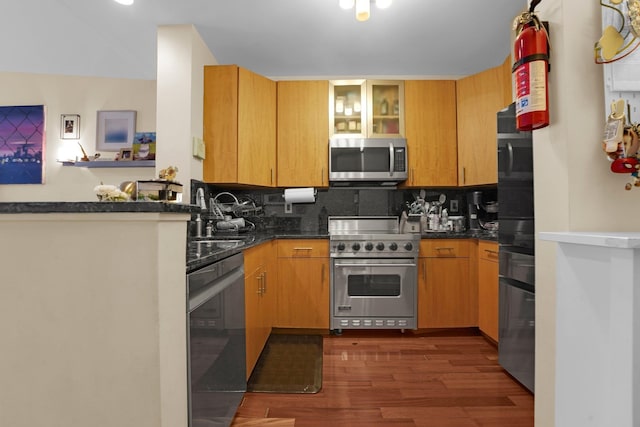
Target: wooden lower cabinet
(488, 289)
(260, 298)
(447, 293)
(303, 284)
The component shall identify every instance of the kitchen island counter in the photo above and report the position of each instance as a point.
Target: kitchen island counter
(93, 207)
(93, 308)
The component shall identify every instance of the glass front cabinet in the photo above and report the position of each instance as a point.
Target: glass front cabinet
(366, 108)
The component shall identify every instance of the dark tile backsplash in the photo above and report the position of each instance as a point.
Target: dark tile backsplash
(312, 217)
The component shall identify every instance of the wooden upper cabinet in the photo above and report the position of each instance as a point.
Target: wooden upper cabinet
(239, 127)
(430, 129)
(479, 98)
(303, 135)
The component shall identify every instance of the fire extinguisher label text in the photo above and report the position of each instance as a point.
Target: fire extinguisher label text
(531, 87)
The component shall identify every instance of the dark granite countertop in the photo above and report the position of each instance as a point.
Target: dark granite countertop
(93, 207)
(491, 236)
(201, 253)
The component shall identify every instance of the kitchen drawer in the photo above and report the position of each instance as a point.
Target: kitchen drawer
(444, 248)
(488, 251)
(303, 248)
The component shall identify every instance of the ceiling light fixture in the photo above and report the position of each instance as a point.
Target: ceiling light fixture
(347, 4)
(363, 10)
(363, 7)
(125, 2)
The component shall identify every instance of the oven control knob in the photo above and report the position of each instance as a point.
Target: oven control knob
(393, 246)
(408, 246)
(341, 246)
(368, 246)
(355, 246)
(380, 246)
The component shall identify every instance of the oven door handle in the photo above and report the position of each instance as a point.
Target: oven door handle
(373, 264)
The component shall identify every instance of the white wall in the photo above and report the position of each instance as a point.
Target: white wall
(83, 96)
(574, 189)
(181, 57)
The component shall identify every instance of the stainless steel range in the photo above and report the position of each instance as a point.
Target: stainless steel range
(374, 273)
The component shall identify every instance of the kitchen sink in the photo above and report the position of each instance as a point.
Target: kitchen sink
(222, 243)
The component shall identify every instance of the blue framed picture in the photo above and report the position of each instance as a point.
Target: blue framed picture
(115, 130)
(22, 143)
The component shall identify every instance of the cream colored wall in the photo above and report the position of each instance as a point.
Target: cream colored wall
(181, 57)
(93, 332)
(574, 189)
(83, 96)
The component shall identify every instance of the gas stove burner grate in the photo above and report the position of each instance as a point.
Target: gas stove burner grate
(370, 237)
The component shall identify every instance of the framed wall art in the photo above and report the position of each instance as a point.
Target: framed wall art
(70, 126)
(115, 130)
(22, 144)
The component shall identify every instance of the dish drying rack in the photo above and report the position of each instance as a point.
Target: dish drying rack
(221, 210)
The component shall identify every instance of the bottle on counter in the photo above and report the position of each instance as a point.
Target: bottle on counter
(444, 220)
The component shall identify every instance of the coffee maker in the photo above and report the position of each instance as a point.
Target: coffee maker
(474, 200)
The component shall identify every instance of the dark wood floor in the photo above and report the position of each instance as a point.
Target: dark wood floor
(400, 380)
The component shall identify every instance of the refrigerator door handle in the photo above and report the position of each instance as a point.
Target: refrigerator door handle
(510, 167)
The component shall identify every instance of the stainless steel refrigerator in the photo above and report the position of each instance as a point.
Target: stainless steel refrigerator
(516, 237)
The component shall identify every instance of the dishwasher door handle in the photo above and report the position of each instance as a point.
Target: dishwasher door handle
(219, 285)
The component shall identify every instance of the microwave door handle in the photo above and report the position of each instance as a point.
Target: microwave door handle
(510, 150)
(392, 159)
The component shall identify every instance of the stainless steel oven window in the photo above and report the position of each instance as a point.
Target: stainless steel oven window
(374, 285)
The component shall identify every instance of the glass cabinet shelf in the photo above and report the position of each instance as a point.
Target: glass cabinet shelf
(347, 110)
(366, 108)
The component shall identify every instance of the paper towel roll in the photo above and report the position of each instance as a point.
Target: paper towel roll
(300, 195)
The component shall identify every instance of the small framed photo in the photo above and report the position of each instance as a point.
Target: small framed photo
(70, 126)
(126, 154)
(116, 130)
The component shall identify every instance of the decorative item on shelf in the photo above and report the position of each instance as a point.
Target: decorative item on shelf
(126, 154)
(110, 193)
(165, 189)
(169, 173)
(85, 158)
(158, 191)
(144, 146)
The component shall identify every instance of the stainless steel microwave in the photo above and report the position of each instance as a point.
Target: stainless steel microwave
(367, 160)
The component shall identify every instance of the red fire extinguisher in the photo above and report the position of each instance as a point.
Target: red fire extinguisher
(531, 56)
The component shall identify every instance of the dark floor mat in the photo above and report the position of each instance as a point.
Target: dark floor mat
(289, 364)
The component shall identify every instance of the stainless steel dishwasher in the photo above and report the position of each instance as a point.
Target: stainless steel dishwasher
(216, 347)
